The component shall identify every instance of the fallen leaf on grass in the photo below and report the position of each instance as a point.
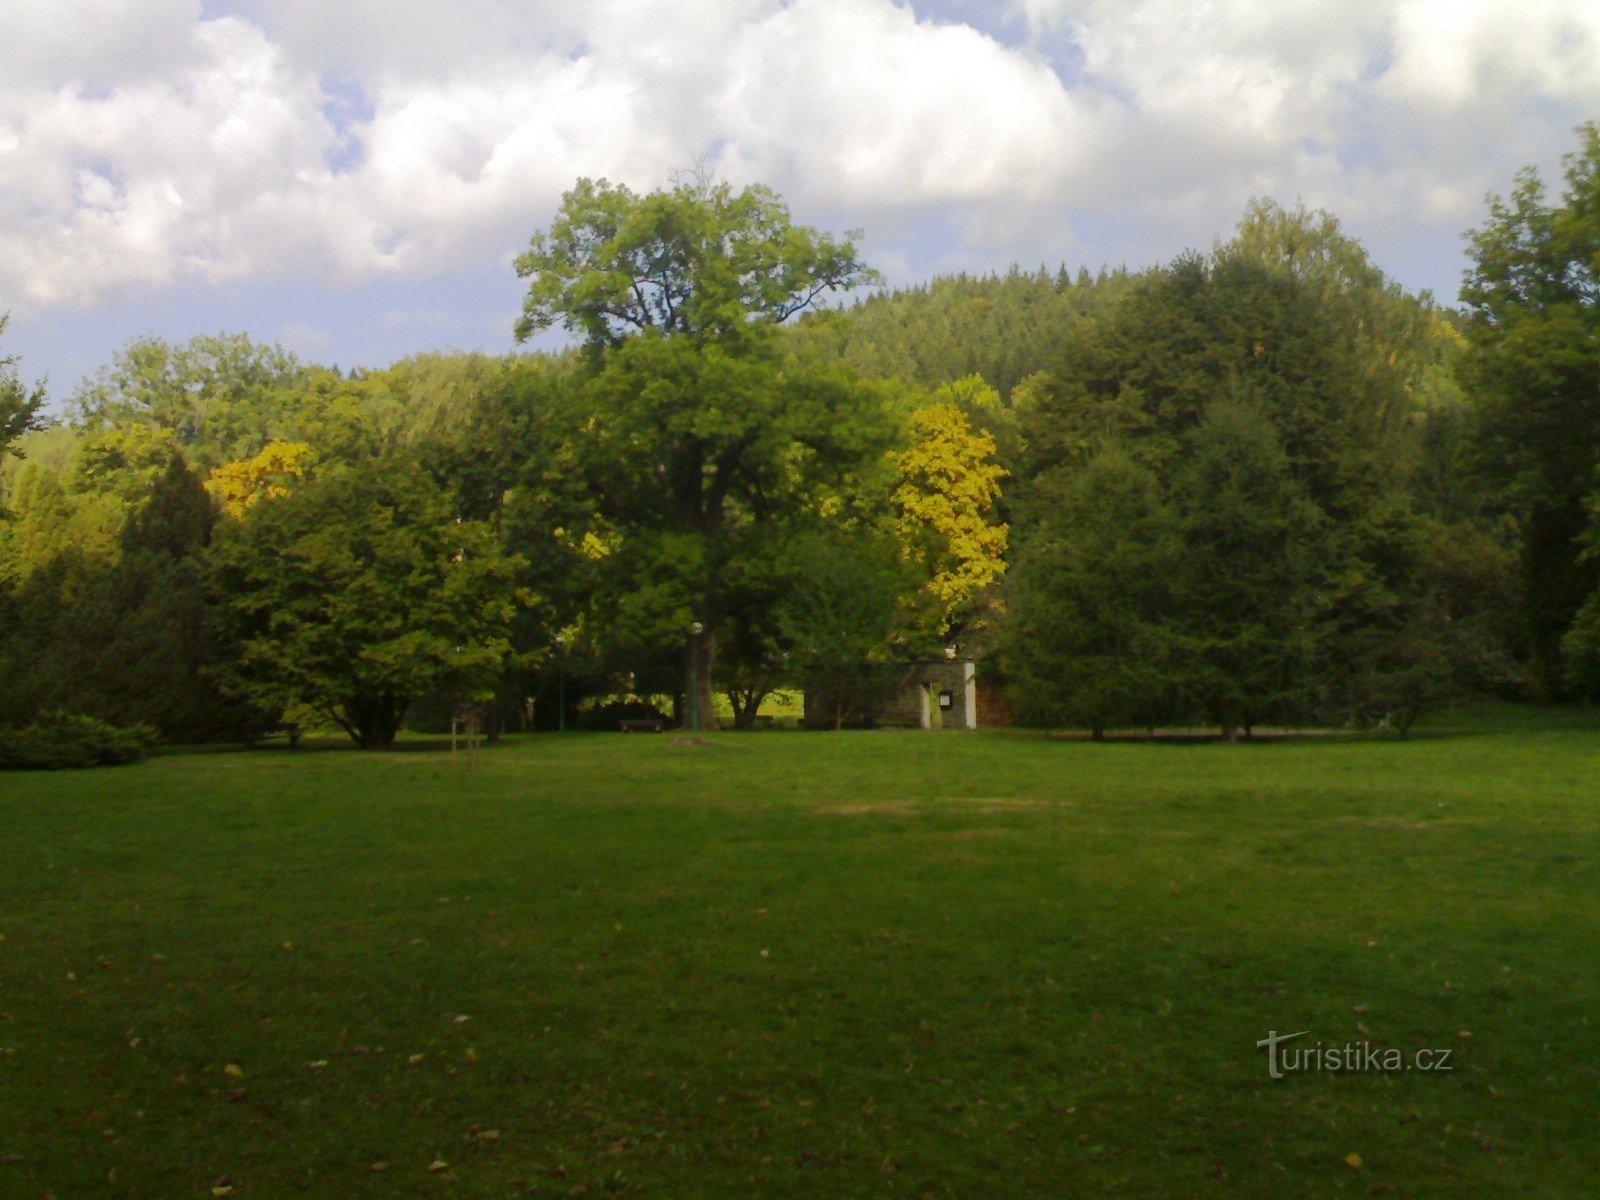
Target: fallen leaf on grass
(233, 1071)
(415, 1059)
(1353, 1160)
(461, 1019)
(438, 1165)
(378, 1168)
(318, 1064)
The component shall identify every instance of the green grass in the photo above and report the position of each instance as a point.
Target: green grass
(809, 965)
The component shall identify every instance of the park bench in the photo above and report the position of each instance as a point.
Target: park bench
(285, 729)
(642, 725)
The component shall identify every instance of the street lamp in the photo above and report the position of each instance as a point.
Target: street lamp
(695, 630)
(561, 686)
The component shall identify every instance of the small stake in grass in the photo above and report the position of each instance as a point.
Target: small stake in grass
(465, 720)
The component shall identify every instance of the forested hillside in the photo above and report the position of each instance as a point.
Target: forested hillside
(1258, 485)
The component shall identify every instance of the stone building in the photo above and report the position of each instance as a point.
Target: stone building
(941, 693)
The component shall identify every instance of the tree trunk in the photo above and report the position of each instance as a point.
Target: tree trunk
(746, 704)
(373, 721)
(699, 657)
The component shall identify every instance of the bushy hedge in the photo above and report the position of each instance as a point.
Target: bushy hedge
(58, 741)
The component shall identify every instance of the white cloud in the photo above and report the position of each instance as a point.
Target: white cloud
(144, 146)
(174, 172)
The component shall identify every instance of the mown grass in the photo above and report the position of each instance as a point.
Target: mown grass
(806, 965)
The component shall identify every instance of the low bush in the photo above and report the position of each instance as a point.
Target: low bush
(58, 741)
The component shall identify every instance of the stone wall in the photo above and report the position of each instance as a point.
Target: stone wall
(908, 699)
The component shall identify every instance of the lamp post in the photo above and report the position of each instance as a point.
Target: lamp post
(695, 630)
(561, 685)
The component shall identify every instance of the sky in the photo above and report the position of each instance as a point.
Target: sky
(352, 180)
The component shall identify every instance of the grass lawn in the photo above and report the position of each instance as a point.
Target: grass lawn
(809, 965)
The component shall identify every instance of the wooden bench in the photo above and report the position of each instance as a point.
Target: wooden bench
(642, 725)
(286, 729)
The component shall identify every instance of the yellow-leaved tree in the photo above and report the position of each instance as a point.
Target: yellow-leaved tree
(240, 485)
(945, 506)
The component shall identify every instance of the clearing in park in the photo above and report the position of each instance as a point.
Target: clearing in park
(810, 965)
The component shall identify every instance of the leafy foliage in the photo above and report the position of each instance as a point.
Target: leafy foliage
(838, 620)
(1089, 640)
(59, 741)
(1533, 291)
(697, 439)
(19, 406)
(945, 500)
(696, 261)
(359, 591)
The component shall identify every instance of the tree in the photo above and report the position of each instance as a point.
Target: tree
(1271, 387)
(1088, 639)
(221, 395)
(694, 261)
(240, 485)
(836, 622)
(359, 591)
(1253, 560)
(948, 489)
(127, 638)
(695, 433)
(19, 407)
(1533, 290)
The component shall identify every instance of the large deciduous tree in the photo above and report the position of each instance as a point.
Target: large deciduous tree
(696, 434)
(223, 395)
(1533, 290)
(945, 502)
(695, 260)
(359, 591)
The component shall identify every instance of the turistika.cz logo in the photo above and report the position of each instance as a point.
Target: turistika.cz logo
(1349, 1056)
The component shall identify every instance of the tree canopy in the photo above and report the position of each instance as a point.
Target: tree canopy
(695, 433)
(1533, 292)
(1254, 485)
(19, 405)
(697, 260)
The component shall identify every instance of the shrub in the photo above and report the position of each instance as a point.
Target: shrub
(58, 741)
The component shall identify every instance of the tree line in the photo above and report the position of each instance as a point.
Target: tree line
(1258, 485)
